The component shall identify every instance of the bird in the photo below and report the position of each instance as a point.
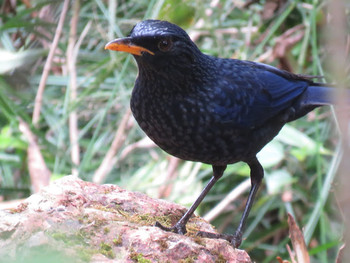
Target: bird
(217, 111)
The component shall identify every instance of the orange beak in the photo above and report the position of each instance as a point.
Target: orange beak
(126, 45)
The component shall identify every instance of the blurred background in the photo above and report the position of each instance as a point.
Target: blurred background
(64, 109)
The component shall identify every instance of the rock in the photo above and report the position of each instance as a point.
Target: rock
(76, 221)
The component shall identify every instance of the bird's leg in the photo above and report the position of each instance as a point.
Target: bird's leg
(180, 226)
(256, 176)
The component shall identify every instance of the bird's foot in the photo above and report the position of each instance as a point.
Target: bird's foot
(235, 239)
(177, 228)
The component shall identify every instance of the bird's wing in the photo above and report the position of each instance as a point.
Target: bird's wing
(255, 94)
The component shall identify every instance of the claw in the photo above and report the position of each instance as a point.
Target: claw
(235, 239)
(177, 228)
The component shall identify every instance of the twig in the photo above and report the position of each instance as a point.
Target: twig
(108, 162)
(72, 72)
(144, 143)
(291, 254)
(39, 173)
(47, 66)
(340, 256)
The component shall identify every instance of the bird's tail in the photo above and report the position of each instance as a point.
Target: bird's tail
(319, 96)
(316, 96)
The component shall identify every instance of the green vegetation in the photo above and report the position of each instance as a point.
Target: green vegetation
(303, 158)
(138, 257)
(118, 241)
(106, 249)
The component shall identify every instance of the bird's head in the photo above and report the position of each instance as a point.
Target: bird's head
(159, 46)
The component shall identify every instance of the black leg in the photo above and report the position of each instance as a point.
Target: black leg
(180, 226)
(256, 176)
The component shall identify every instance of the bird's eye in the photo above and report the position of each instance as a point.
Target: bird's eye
(165, 45)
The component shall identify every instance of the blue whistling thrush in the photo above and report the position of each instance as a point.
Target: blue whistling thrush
(211, 110)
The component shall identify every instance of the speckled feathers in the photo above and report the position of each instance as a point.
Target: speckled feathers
(212, 110)
(201, 108)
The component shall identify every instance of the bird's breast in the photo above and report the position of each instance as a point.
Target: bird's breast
(183, 126)
(168, 120)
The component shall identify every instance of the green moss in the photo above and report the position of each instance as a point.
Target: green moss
(138, 257)
(98, 222)
(121, 212)
(76, 240)
(189, 259)
(59, 236)
(83, 218)
(141, 219)
(220, 259)
(106, 249)
(93, 219)
(150, 220)
(118, 241)
(69, 238)
(86, 254)
(103, 208)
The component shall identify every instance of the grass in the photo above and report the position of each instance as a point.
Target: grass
(304, 157)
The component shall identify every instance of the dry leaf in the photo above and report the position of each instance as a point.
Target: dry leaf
(298, 242)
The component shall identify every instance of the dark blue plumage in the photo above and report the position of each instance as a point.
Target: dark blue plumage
(212, 110)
